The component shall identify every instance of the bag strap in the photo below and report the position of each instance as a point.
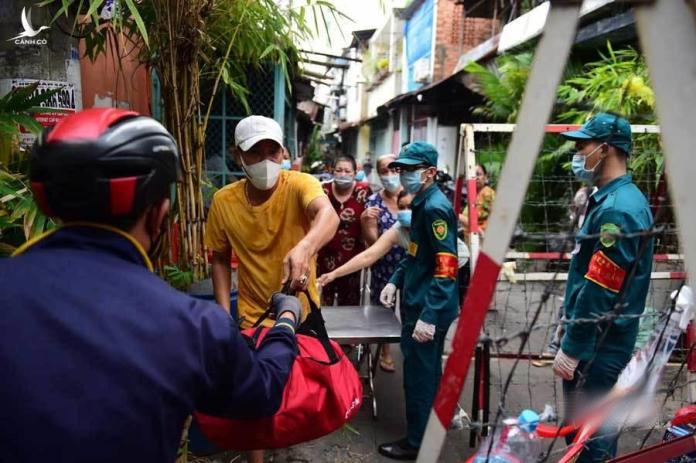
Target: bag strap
(313, 325)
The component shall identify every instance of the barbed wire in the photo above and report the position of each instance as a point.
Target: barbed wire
(592, 236)
(567, 240)
(548, 222)
(501, 341)
(618, 307)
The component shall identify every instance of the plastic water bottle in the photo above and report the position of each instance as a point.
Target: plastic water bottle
(516, 442)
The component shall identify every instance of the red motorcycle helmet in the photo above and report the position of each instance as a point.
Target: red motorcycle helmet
(103, 164)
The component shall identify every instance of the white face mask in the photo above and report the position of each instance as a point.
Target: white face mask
(263, 175)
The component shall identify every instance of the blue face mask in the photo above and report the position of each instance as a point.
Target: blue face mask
(286, 164)
(360, 176)
(404, 218)
(578, 166)
(411, 181)
(391, 183)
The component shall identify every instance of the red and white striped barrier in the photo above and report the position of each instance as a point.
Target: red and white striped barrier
(551, 276)
(514, 180)
(566, 256)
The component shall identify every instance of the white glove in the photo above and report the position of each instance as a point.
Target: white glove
(564, 366)
(685, 305)
(508, 271)
(388, 295)
(423, 332)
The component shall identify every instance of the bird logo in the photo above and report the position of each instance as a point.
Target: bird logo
(29, 30)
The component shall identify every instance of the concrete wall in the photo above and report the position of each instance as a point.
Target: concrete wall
(355, 90)
(60, 60)
(363, 142)
(106, 84)
(381, 141)
(446, 144)
(381, 93)
(50, 57)
(50, 61)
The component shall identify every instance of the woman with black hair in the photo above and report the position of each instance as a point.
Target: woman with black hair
(484, 202)
(348, 198)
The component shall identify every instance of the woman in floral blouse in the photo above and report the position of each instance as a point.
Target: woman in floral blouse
(380, 216)
(348, 198)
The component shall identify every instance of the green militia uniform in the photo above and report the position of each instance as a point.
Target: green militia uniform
(598, 271)
(427, 277)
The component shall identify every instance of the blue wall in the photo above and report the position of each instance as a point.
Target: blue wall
(418, 31)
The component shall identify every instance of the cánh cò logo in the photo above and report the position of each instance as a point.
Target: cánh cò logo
(27, 37)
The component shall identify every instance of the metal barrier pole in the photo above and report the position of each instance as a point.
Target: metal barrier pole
(537, 104)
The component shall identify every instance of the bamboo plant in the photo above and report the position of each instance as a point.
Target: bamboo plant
(186, 42)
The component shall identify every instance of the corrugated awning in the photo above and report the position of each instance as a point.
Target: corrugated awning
(444, 90)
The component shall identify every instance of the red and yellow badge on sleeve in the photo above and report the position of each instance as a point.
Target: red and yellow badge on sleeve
(445, 265)
(605, 272)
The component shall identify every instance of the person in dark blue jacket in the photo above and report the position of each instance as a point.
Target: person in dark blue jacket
(100, 357)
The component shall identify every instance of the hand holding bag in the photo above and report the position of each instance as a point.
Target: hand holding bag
(323, 393)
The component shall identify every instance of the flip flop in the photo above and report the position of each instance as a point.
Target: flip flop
(386, 365)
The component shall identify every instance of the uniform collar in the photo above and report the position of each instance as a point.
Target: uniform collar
(85, 235)
(423, 195)
(610, 187)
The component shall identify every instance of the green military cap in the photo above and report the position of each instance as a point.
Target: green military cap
(416, 153)
(607, 128)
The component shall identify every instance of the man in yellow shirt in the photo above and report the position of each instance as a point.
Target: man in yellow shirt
(275, 220)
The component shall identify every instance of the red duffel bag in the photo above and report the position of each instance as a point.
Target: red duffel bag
(322, 394)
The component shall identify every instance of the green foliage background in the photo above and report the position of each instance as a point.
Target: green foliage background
(20, 218)
(616, 82)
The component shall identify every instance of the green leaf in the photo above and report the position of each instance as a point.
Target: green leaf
(39, 225)
(178, 278)
(62, 11)
(27, 122)
(351, 429)
(29, 218)
(93, 7)
(139, 21)
(268, 49)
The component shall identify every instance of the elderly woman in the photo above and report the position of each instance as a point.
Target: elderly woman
(379, 216)
(348, 199)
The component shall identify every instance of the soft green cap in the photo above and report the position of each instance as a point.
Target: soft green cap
(418, 152)
(607, 128)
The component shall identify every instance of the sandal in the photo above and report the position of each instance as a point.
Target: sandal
(387, 365)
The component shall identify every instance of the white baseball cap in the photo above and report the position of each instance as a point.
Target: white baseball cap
(253, 129)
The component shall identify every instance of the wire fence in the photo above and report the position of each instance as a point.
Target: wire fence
(513, 368)
(555, 198)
